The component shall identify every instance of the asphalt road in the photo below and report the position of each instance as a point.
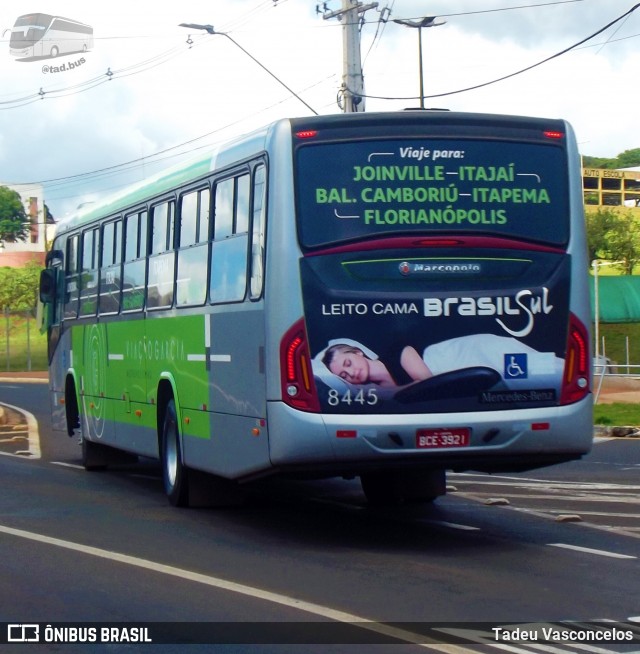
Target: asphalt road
(553, 545)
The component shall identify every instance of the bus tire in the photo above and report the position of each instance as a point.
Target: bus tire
(394, 487)
(71, 408)
(98, 456)
(174, 472)
(93, 455)
(54, 52)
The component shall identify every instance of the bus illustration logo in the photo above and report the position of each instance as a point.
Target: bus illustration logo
(44, 36)
(23, 633)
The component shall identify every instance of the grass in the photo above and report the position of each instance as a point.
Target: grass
(22, 346)
(614, 340)
(616, 414)
(618, 339)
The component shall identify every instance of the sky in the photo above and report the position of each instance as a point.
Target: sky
(150, 93)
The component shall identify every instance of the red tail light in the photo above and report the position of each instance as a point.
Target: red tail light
(576, 378)
(298, 387)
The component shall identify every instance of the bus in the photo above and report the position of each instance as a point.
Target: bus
(387, 296)
(45, 35)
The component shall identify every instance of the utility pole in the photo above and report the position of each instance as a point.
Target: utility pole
(352, 91)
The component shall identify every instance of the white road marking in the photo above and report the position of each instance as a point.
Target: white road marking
(338, 503)
(588, 550)
(451, 525)
(249, 591)
(67, 465)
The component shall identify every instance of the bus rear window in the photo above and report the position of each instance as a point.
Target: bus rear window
(359, 190)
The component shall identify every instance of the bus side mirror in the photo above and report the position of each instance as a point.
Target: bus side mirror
(52, 255)
(49, 276)
(48, 285)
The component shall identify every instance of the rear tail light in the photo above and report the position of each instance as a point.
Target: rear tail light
(298, 387)
(576, 377)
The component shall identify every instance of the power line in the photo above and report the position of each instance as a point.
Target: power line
(127, 71)
(107, 76)
(518, 72)
(490, 11)
(151, 159)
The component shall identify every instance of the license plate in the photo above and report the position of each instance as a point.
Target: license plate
(442, 438)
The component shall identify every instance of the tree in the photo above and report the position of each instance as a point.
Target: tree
(14, 222)
(19, 286)
(624, 245)
(628, 158)
(600, 224)
(49, 218)
(614, 236)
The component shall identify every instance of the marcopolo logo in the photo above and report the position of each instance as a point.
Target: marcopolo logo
(439, 268)
(46, 36)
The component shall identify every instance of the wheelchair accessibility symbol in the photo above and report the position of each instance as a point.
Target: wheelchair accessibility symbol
(515, 366)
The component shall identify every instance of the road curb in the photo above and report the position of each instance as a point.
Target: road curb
(616, 432)
(24, 380)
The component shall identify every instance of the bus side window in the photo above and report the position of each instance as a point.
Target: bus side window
(258, 232)
(133, 268)
(228, 279)
(71, 278)
(89, 273)
(191, 283)
(161, 256)
(110, 260)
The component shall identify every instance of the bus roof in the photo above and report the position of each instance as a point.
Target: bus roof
(459, 121)
(233, 151)
(244, 146)
(42, 20)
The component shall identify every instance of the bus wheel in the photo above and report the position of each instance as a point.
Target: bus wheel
(93, 457)
(174, 473)
(98, 456)
(54, 52)
(393, 487)
(72, 411)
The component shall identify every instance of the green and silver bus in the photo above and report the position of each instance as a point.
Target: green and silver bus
(384, 295)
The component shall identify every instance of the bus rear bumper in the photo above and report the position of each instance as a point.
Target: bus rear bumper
(520, 439)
